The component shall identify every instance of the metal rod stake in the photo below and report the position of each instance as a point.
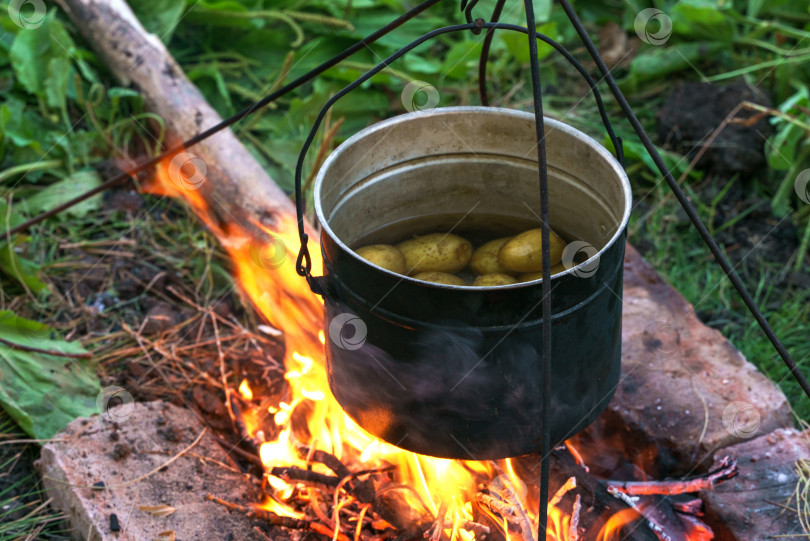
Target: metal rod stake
(545, 442)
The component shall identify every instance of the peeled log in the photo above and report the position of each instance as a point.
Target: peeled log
(236, 188)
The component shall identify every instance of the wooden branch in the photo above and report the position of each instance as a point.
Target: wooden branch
(728, 469)
(291, 473)
(236, 187)
(241, 427)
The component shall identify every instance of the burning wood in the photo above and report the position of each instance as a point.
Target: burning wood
(728, 469)
(668, 517)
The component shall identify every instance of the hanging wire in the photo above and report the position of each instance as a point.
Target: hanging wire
(683, 199)
(303, 261)
(482, 63)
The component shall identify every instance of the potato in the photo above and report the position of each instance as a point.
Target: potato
(523, 252)
(385, 256)
(485, 258)
(494, 279)
(530, 276)
(436, 252)
(440, 278)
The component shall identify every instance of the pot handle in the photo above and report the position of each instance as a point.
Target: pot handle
(303, 263)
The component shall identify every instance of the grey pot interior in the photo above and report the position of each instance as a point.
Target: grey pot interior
(470, 159)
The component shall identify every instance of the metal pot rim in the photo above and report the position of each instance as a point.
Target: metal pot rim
(501, 111)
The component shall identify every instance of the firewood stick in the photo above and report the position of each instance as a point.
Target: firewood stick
(327, 459)
(274, 519)
(359, 528)
(434, 533)
(691, 507)
(727, 470)
(479, 530)
(573, 527)
(267, 516)
(236, 187)
(241, 426)
(562, 491)
(291, 473)
(498, 507)
(364, 490)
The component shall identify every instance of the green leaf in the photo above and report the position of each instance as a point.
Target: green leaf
(763, 7)
(783, 145)
(781, 150)
(461, 57)
(23, 270)
(517, 44)
(41, 392)
(26, 54)
(211, 71)
(13, 264)
(33, 50)
(56, 82)
(705, 19)
(12, 219)
(216, 13)
(159, 17)
(635, 151)
(542, 9)
(418, 64)
(20, 127)
(63, 190)
(661, 61)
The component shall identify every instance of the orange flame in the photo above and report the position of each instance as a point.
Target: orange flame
(245, 391)
(612, 529)
(265, 271)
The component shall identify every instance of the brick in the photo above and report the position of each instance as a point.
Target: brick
(94, 451)
(684, 386)
(749, 507)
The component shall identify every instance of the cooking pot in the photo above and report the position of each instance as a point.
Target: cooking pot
(454, 371)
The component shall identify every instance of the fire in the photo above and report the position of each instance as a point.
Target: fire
(265, 271)
(612, 529)
(245, 391)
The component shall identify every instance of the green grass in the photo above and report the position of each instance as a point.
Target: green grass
(24, 513)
